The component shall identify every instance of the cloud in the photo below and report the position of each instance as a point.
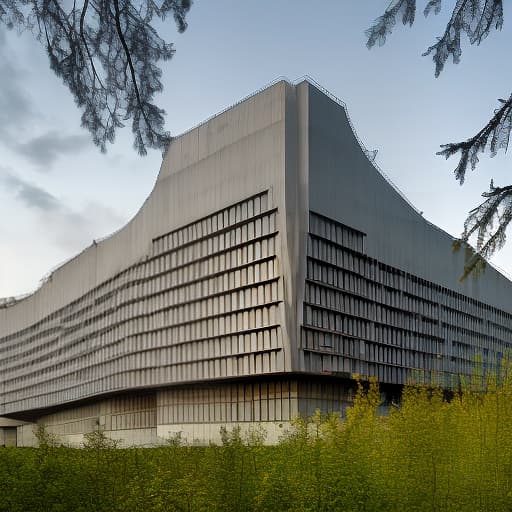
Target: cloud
(77, 229)
(68, 228)
(20, 117)
(32, 195)
(43, 150)
(16, 107)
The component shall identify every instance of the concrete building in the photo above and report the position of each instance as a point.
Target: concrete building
(271, 262)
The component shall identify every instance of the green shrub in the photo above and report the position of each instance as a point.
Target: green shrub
(429, 453)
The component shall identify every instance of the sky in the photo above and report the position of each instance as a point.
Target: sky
(58, 192)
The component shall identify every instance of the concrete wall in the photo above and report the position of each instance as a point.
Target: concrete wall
(233, 156)
(199, 285)
(269, 246)
(344, 186)
(8, 431)
(382, 295)
(195, 413)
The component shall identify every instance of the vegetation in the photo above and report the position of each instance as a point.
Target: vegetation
(107, 53)
(474, 20)
(428, 454)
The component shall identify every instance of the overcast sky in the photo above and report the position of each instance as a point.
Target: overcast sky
(58, 192)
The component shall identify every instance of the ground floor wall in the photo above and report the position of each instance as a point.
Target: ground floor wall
(8, 436)
(8, 431)
(197, 413)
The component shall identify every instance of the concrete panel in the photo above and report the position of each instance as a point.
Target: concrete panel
(204, 434)
(9, 437)
(224, 168)
(345, 186)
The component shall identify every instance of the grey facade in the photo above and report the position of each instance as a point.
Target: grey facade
(271, 262)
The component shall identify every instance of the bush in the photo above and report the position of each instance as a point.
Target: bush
(429, 453)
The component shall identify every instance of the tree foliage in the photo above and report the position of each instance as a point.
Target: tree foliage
(107, 52)
(473, 19)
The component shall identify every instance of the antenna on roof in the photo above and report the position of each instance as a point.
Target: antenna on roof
(371, 154)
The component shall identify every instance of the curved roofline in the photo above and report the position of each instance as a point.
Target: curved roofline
(367, 152)
(9, 301)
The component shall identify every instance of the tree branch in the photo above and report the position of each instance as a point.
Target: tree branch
(493, 136)
(127, 52)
